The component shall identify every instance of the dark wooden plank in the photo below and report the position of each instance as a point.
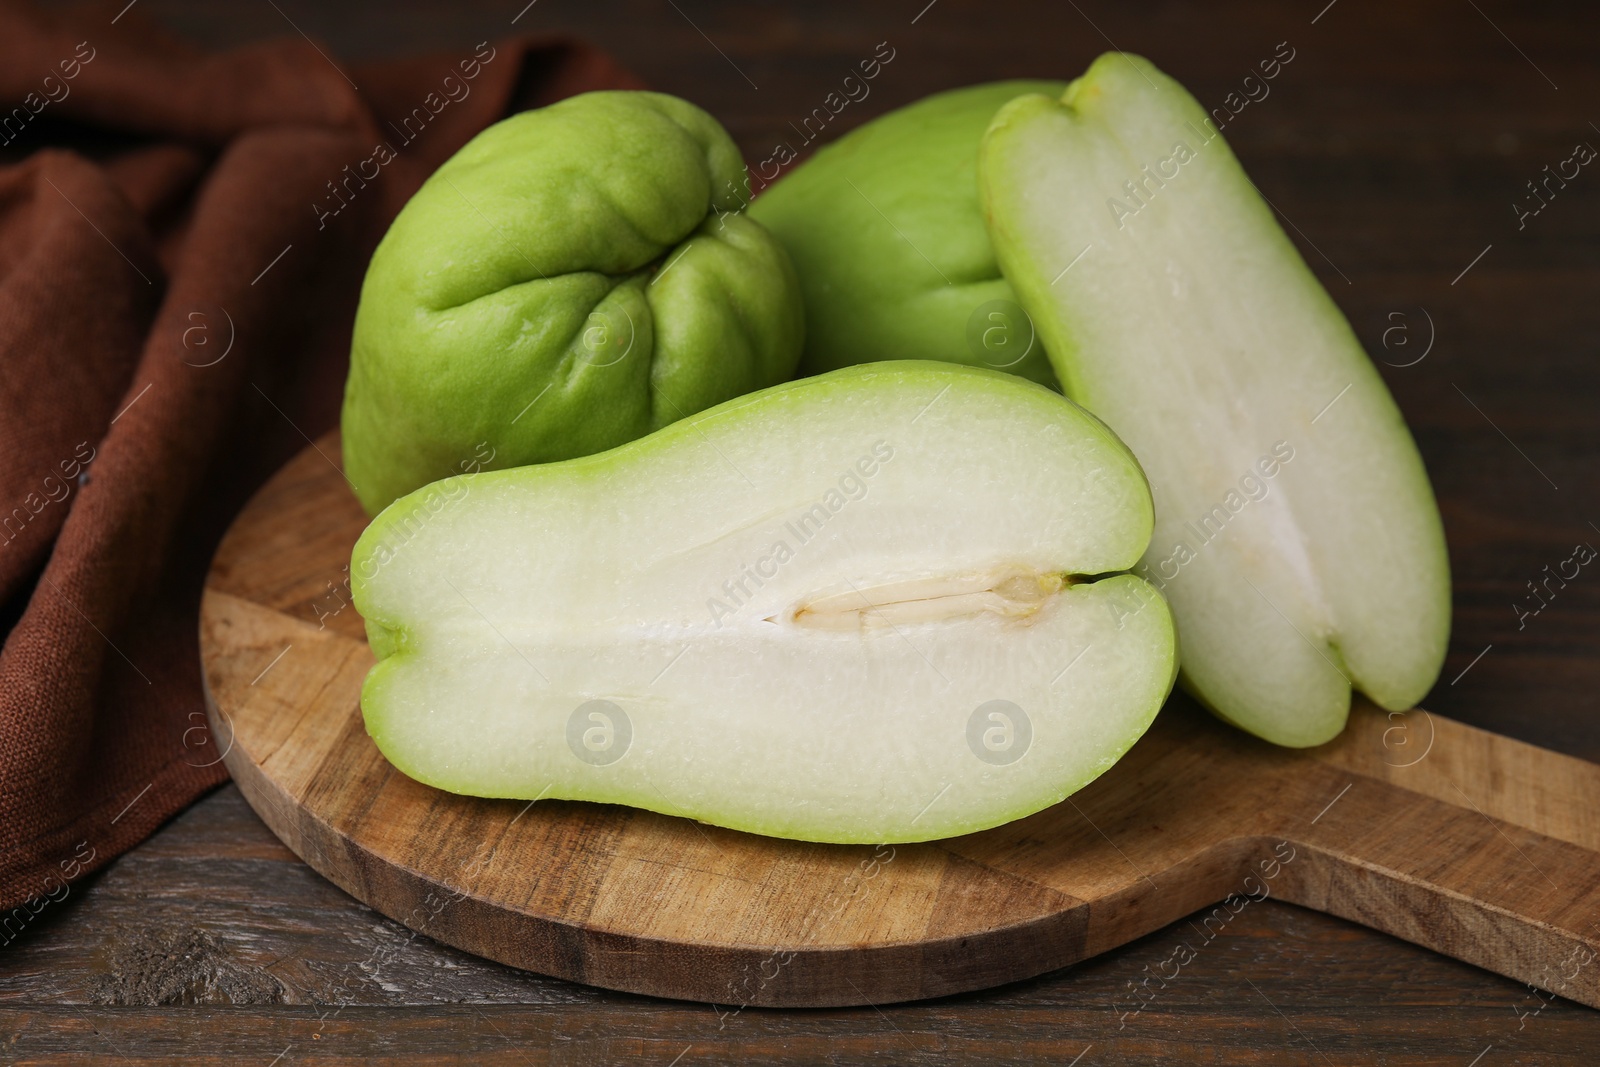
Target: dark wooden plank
(1396, 142)
(1398, 1037)
(216, 868)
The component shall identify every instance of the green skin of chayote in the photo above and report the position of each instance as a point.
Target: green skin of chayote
(572, 279)
(886, 233)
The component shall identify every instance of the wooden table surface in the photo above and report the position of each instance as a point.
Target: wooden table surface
(1398, 143)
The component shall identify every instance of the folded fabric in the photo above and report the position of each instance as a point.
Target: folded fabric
(176, 297)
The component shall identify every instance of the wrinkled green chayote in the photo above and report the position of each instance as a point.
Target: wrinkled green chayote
(574, 278)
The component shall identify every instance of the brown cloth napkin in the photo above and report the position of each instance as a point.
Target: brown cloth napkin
(175, 307)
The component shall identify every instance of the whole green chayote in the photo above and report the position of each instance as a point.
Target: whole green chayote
(574, 278)
(886, 233)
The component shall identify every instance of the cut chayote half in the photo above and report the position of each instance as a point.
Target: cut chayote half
(880, 604)
(572, 279)
(1296, 533)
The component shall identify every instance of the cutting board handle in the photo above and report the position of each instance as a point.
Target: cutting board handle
(1466, 842)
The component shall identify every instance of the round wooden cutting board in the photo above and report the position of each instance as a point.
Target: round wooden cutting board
(1472, 844)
